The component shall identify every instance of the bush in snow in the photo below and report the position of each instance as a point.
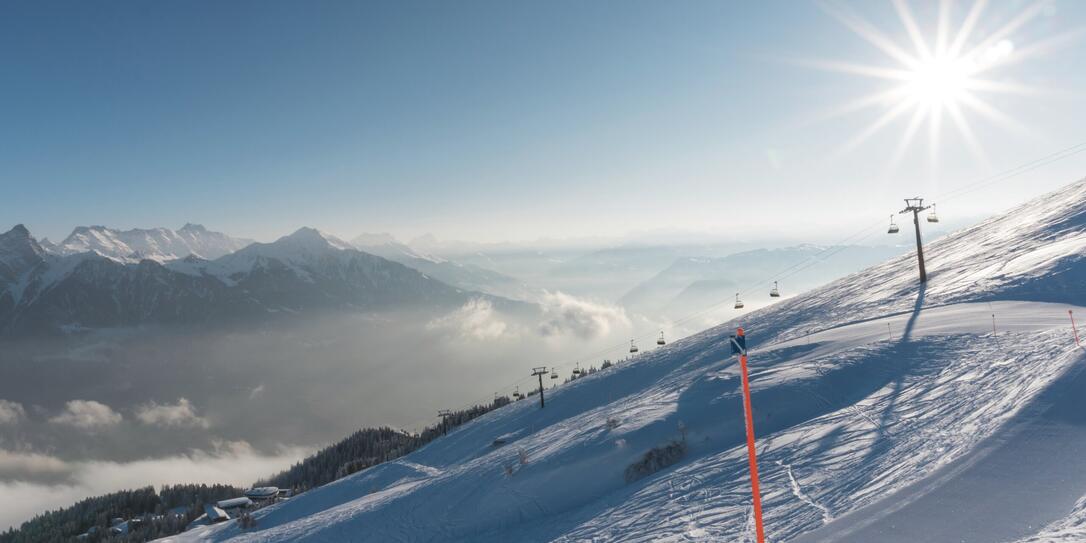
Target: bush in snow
(655, 460)
(246, 521)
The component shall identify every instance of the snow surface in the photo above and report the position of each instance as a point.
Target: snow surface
(885, 412)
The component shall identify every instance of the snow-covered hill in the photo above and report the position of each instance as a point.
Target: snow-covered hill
(158, 244)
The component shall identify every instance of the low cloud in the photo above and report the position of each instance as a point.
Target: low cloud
(181, 414)
(20, 466)
(476, 320)
(11, 412)
(87, 414)
(57, 483)
(565, 314)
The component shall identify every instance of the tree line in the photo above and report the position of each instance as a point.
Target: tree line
(150, 515)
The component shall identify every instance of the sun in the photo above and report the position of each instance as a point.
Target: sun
(939, 82)
(944, 73)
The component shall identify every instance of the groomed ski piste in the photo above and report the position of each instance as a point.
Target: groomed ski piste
(884, 412)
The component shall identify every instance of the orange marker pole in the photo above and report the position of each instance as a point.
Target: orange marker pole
(752, 454)
(1072, 314)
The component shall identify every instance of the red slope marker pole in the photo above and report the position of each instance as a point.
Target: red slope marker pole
(1072, 315)
(752, 454)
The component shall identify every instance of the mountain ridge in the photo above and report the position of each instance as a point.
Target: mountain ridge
(301, 272)
(159, 244)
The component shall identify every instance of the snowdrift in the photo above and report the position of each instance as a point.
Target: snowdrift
(885, 412)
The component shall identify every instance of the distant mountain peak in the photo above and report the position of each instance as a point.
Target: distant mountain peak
(19, 252)
(191, 227)
(310, 236)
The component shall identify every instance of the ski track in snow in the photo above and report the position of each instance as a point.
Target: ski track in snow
(878, 428)
(797, 491)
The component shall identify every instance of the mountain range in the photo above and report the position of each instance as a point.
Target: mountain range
(158, 244)
(94, 280)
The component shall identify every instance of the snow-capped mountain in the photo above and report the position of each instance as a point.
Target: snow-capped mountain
(158, 244)
(885, 411)
(305, 271)
(20, 254)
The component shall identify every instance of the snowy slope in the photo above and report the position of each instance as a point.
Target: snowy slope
(878, 405)
(158, 244)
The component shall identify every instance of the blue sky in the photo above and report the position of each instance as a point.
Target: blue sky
(498, 120)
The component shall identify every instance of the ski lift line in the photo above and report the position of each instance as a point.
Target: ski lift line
(1017, 170)
(859, 235)
(825, 256)
(809, 263)
(974, 189)
(1021, 168)
(805, 264)
(791, 270)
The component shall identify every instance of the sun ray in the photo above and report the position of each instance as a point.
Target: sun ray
(942, 31)
(1006, 87)
(879, 72)
(907, 20)
(873, 128)
(919, 114)
(1014, 24)
(868, 32)
(860, 104)
(935, 121)
(986, 110)
(967, 27)
(955, 113)
(1041, 48)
